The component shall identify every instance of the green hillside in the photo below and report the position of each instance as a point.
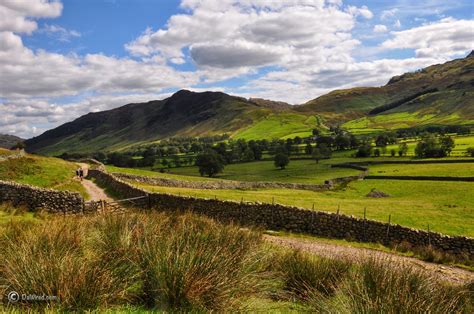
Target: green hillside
(45, 172)
(438, 94)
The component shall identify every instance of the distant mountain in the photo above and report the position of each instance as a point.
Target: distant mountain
(439, 94)
(8, 141)
(184, 113)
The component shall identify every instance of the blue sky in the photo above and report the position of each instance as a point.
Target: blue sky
(62, 59)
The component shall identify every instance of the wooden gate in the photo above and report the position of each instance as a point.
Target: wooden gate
(118, 206)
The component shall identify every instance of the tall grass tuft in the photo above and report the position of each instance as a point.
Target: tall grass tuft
(306, 276)
(50, 259)
(379, 286)
(197, 264)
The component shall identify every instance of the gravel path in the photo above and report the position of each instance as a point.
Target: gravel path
(444, 272)
(95, 193)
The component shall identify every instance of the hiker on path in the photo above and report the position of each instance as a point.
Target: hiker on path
(81, 173)
(77, 173)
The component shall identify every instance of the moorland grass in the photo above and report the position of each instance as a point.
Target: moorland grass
(183, 263)
(153, 260)
(379, 286)
(447, 207)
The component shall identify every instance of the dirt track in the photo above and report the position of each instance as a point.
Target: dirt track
(444, 272)
(95, 193)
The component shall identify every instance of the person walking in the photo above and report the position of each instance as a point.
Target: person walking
(81, 173)
(77, 173)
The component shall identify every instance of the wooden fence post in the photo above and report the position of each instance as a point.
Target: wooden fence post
(429, 235)
(388, 226)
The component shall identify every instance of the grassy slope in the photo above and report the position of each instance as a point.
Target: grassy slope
(43, 172)
(279, 125)
(399, 120)
(447, 206)
(451, 104)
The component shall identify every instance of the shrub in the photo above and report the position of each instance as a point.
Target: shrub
(364, 151)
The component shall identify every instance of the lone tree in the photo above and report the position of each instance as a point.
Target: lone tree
(210, 163)
(281, 160)
(317, 155)
(402, 149)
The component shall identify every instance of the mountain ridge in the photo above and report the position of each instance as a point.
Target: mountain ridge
(438, 94)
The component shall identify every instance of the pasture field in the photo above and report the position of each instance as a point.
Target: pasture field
(149, 173)
(298, 171)
(45, 172)
(279, 125)
(448, 207)
(447, 169)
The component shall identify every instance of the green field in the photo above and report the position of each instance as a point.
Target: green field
(279, 125)
(298, 171)
(447, 206)
(150, 173)
(448, 169)
(45, 172)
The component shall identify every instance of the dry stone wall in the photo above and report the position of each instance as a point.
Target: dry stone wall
(294, 219)
(37, 198)
(221, 184)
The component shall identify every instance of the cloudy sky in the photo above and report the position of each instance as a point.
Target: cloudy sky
(62, 59)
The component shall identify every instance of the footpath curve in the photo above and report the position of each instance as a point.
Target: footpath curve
(443, 272)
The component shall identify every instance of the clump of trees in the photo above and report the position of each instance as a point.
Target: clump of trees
(435, 129)
(431, 146)
(210, 163)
